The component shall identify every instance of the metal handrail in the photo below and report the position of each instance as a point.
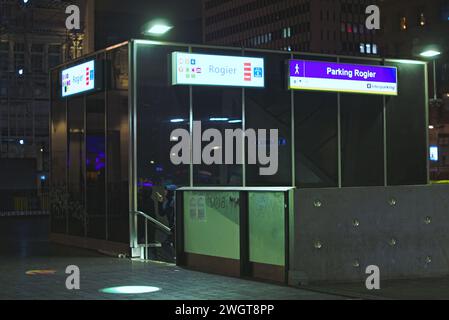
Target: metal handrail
(157, 223)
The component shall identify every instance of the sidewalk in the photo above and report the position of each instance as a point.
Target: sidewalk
(417, 289)
(24, 247)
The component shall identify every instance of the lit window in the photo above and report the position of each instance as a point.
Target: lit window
(368, 48)
(362, 48)
(422, 20)
(349, 28)
(374, 48)
(403, 23)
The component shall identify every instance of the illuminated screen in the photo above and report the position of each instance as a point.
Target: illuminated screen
(342, 77)
(215, 70)
(78, 79)
(434, 154)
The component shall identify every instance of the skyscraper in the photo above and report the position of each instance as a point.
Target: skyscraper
(33, 39)
(322, 26)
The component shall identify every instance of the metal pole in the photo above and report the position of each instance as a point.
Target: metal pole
(340, 184)
(191, 131)
(434, 79)
(293, 137)
(244, 161)
(384, 112)
(146, 239)
(9, 114)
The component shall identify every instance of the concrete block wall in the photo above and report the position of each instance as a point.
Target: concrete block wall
(339, 232)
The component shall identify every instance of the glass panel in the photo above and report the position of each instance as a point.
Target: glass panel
(270, 108)
(118, 146)
(362, 138)
(316, 137)
(211, 224)
(76, 183)
(58, 158)
(267, 228)
(95, 166)
(218, 108)
(161, 108)
(407, 144)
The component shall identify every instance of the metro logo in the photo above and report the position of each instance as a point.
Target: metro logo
(247, 71)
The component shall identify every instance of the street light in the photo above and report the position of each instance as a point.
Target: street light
(432, 53)
(157, 28)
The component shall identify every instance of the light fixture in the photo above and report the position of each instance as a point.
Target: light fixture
(235, 121)
(21, 142)
(176, 120)
(20, 72)
(219, 119)
(159, 29)
(130, 290)
(431, 127)
(430, 53)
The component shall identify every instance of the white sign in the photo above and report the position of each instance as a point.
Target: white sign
(214, 70)
(78, 79)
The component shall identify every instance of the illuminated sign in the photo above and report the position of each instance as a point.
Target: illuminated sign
(434, 154)
(78, 79)
(342, 77)
(214, 70)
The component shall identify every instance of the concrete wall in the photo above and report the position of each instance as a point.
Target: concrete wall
(339, 232)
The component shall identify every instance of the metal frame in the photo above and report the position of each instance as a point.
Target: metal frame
(133, 47)
(132, 105)
(246, 270)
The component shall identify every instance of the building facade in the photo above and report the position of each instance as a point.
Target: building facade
(410, 28)
(319, 26)
(33, 39)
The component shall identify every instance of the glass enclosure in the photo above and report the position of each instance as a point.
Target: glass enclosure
(111, 148)
(90, 156)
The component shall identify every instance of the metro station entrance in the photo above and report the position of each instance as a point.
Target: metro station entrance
(116, 187)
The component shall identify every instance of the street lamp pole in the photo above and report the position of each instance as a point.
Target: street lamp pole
(434, 79)
(431, 53)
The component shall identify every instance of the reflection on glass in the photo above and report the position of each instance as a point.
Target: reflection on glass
(95, 166)
(76, 183)
(270, 108)
(58, 168)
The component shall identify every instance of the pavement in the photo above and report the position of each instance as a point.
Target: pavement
(24, 247)
(403, 289)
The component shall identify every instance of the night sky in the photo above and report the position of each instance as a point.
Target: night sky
(118, 20)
